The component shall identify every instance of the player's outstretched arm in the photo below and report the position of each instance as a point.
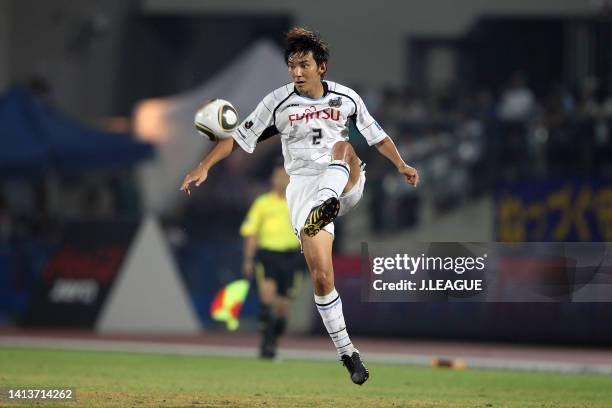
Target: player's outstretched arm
(198, 175)
(387, 148)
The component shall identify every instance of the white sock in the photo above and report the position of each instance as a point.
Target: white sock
(330, 309)
(333, 180)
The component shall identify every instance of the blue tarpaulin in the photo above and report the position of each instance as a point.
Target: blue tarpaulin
(35, 138)
(21, 150)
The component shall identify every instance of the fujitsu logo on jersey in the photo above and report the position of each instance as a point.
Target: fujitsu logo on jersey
(325, 114)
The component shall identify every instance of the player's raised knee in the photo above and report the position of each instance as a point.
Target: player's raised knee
(343, 151)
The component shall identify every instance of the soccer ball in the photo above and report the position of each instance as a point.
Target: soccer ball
(216, 119)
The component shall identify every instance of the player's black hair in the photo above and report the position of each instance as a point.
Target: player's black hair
(301, 41)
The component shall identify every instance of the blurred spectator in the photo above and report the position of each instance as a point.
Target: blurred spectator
(484, 105)
(517, 102)
(558, 105)
(589, 104)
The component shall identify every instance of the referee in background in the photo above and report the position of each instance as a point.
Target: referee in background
(272, 253)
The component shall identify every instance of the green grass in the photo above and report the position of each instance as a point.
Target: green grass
(126, 379)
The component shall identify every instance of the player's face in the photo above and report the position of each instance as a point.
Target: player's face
(305, 73)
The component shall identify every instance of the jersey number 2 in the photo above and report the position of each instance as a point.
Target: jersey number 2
(316, 137)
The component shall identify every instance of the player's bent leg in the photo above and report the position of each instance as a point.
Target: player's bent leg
(318, 254)
(350, 199)
(334, 180)
(340, 177)
(344, 151)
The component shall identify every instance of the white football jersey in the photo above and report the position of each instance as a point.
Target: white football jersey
(308, 127)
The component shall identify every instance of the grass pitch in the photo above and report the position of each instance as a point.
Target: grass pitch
(127, 379)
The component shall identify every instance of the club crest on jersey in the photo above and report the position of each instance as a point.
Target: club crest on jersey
(307, 116)
(248, 124)
(335, 102)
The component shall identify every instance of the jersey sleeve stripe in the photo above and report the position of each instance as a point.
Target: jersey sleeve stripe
(278, 105)
(241, 134)
(253, 132)
(371, 123)
(378, 139)
(264, 104)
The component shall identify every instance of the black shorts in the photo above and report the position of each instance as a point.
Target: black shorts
(281, 267)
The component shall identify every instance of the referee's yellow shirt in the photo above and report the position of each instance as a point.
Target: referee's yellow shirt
(269, 220)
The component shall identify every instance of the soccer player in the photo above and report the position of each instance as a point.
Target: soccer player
(273, 252)
(326, 177)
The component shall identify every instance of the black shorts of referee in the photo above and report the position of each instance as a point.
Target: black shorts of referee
(284, 268)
